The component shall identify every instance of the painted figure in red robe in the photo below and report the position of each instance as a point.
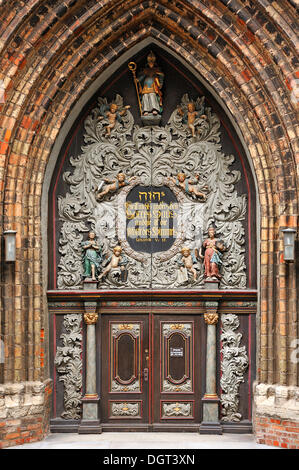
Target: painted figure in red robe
(212, 257)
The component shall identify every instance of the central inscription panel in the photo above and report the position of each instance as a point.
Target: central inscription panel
(151, 215)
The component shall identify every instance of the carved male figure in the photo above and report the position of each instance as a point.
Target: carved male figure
(150, 84)
(190, 116)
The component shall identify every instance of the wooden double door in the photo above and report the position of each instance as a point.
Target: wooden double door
(151, 372)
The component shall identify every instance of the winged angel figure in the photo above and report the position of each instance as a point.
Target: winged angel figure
(192, 112)
(111, 113)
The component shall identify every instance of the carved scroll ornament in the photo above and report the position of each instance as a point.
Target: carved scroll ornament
(68, 364)
(151, 155)
(176, 409)
(233, 366)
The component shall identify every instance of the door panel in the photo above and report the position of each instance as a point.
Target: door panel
(150, 378)
(124, 380)
(176, 341)
(176, 374)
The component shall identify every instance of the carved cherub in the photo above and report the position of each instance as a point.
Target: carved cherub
(192, 113)
(114, 261)
(189, 187)
(113, 186)
(187, 261)
(111, 113)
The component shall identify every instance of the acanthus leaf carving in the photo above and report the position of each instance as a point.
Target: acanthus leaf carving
(152, 154)
(68, 363)
(233, 366)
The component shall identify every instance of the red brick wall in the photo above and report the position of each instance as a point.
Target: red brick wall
(277, 432)
(21, 431)
(26, 429)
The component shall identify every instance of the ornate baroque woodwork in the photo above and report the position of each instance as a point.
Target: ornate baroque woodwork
(148, 156)
(233, 366)
(68, 362)
(153, 242)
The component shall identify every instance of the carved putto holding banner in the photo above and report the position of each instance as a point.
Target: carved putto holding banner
(153, 229)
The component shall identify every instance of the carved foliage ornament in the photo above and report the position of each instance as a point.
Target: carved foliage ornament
(233, 366)
(91, 318)
(68, 364)
(125, 409)
(176, 409)
(211, 318)
(152, 155)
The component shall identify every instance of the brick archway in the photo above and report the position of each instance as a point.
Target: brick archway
(52, 53)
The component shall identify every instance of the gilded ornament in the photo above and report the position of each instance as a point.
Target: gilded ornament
(177, 326)
(211, 318)
(126, 326)
(91, 318)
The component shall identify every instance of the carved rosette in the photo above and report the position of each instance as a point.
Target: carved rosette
(68, 364)
(233, 367)
(151, 154)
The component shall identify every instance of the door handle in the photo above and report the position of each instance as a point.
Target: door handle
(145, 374)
